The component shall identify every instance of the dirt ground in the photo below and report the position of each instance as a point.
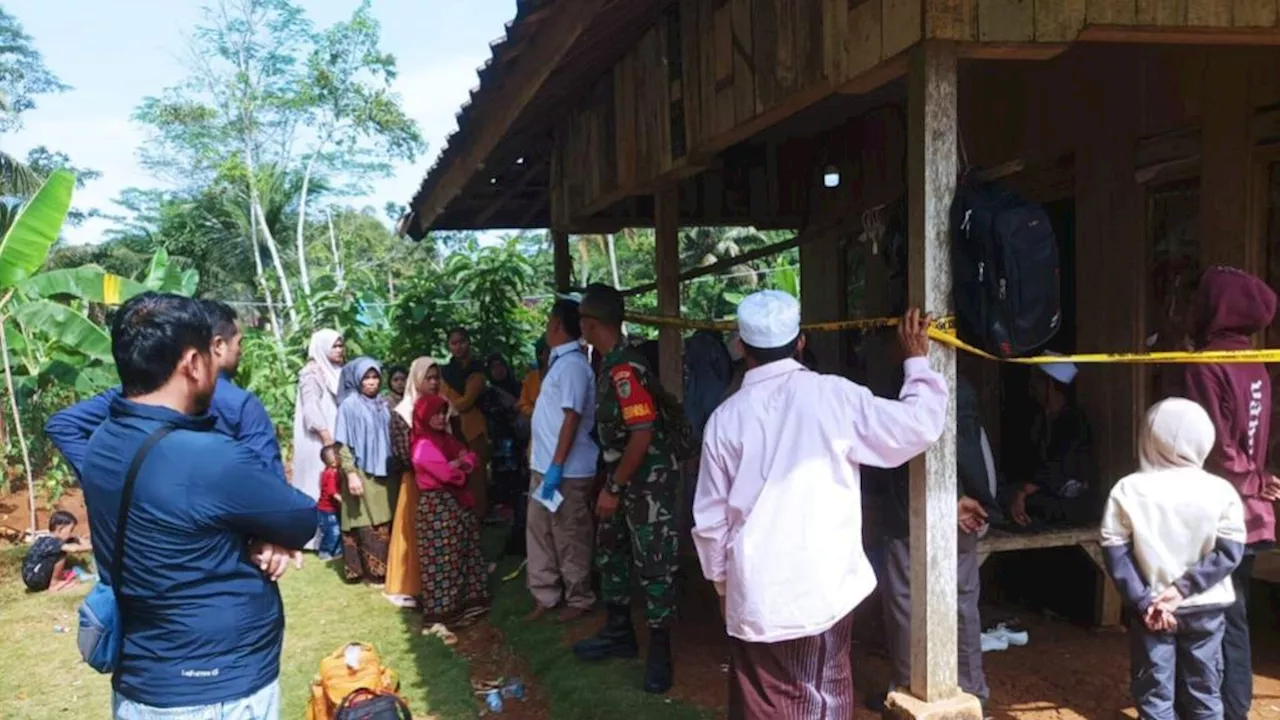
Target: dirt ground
(1066, 672)
(15, 514)
(485, 649)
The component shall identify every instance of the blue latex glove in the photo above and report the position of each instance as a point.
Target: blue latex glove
(551, 481)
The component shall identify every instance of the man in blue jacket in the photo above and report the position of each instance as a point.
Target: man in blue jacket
(209, 529)
(236, 412)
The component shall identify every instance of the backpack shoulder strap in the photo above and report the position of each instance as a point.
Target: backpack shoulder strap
(126, 496)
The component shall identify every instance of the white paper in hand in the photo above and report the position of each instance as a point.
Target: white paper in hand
(553, 504)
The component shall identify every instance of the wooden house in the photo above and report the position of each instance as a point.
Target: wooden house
(1148, 128)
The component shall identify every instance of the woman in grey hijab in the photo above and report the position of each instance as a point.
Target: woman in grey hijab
(368, 498)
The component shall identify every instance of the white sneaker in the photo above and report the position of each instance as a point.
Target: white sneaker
(992, 642)
(1015, 638)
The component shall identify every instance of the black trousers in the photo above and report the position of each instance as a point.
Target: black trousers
(1237, 655)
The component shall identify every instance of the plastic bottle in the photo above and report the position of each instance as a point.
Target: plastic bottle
(513, 689)
(494, 700)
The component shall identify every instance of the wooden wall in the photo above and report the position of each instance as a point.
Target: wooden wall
(1104, 125)
(710, 74)
(1098, 123)
(1057, 21)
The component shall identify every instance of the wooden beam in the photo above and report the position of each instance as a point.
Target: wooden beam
(1226, 167)
(799, 240)
(563, 260)
(1179, 35)
(555, 36)
(666, 210)
(515, 189)
(1011, 50)
(932, 166)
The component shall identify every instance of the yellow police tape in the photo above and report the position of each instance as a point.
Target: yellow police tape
(943, 330)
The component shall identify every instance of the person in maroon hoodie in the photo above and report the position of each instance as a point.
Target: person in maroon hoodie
(1230, 308)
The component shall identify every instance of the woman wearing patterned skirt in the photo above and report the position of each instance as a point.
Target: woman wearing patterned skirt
(455, 580)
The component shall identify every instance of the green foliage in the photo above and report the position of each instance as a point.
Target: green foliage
(23, 74)
(485, 290)
(27, 240)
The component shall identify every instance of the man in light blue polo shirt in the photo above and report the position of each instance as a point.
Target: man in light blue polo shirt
(564, 460)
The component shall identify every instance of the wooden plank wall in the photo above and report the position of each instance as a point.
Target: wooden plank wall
(1057, 21)
(1130, 95)
(745, 64)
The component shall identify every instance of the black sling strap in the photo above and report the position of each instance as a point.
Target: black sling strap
(126, 496)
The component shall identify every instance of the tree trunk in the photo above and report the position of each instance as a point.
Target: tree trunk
(613, 261)
(303, 275)
(261, 277)
(259, 219)
(279, 266)
(17, 427)
(333, 247)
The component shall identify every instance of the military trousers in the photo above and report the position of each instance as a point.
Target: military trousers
(642, 535)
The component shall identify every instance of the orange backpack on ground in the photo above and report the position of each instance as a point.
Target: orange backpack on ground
(355, 666)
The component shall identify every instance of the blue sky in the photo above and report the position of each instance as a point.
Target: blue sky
(115, 52)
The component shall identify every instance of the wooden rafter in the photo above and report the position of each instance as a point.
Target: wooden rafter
(557, 32)
(518, 187)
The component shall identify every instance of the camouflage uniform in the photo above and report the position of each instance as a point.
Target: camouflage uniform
(643, 531)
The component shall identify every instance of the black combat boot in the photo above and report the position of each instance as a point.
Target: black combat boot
(658, 671)
(616, 640)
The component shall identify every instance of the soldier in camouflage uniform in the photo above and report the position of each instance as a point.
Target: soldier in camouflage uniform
(639, 440)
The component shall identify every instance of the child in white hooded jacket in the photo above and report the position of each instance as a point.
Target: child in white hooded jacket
(1171, 534)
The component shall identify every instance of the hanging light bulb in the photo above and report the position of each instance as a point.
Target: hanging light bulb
(831, 176)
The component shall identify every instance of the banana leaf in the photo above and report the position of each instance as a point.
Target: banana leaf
(163, 276)
(87, 282)
(25, 245)
(158, 271)
(66, 327)
(71, 371)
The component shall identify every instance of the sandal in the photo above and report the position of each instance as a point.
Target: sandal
(442, 632)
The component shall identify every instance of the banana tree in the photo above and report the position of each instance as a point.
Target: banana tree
(23, 250)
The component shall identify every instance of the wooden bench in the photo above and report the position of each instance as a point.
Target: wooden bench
(1107, 610)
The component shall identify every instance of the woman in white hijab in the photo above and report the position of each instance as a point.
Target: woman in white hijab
(316, 410)
(404, 579)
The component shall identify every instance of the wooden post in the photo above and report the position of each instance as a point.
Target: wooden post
(931, 182)
(666, 224)
(563, 260)
(1226, 165)
(822, 299)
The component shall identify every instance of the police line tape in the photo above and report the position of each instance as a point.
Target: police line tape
(943, 330)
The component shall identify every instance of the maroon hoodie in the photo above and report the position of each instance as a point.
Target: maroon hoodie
(1232, 307)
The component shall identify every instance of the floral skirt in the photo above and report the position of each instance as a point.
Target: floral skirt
(455, 577)
(364, 553)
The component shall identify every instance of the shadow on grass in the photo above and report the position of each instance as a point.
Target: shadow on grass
(577, 691)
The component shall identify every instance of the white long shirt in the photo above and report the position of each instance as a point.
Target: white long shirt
(778, 509)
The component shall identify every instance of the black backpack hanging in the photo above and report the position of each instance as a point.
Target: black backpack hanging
(1005, 270)
(366, 704)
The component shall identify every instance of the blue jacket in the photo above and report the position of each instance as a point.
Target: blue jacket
(237, 413)
(202, 624)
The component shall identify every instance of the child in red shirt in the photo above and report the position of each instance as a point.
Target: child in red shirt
(330, 496)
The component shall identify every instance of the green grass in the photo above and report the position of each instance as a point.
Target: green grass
(578, 691)
(41, 675)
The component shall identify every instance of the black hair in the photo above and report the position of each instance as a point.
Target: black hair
(391, 371)
(459, 330)
(603, 303)
(61, 519)
(764, 356)
(222, 317)
(328, 450)
(149, 336)
(566, 311)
